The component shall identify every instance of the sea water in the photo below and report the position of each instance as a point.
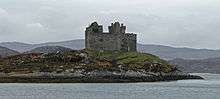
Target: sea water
(182, 89)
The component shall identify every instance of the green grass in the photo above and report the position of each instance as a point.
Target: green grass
(137, 57)
(132, 60)
(127, 57)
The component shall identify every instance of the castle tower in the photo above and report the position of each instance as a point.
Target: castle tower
(116, 28)
(122, 28)
(90, 32)
(115, 40)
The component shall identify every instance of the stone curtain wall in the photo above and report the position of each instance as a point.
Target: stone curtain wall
(104, 41)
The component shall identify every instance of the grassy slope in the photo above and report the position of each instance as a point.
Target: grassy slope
(134, 60)
(106, 60)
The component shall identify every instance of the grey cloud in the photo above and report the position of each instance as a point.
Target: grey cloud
(191, 23)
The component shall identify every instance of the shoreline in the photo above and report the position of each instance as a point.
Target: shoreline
(106, 79)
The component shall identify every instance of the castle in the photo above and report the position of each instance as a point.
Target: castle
(114, 40)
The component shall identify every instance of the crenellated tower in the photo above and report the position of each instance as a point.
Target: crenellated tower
(114, 40)
(116, 28)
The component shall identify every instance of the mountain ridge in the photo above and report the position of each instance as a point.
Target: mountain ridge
(4, 52)
(165, 52)
(210, 65)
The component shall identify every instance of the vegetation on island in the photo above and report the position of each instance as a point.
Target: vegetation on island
(87, 66)
(84, 59)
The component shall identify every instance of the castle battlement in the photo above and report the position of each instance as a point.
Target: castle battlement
(116, 28)
(115, 39)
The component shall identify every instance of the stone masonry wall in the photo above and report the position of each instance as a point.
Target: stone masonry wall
(115, 40)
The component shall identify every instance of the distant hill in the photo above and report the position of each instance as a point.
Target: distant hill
(169, 53)
(49, 49)
(7, 52)
(165, 52)
(17, 46)
(73, 44)
(23, 47)
(211, 65)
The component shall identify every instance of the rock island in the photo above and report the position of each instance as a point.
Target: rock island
(108, 57)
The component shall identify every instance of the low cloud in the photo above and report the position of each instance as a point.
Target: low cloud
(190, 23)
(35, 25)
(3, 13)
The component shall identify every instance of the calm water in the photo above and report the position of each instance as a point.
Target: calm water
(185, 89)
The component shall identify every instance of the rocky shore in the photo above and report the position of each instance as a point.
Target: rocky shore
(91, 78)
(114, 79)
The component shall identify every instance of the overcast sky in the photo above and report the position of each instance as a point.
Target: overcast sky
(180, 23)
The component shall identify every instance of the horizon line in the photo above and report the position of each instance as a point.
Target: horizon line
(179, 47)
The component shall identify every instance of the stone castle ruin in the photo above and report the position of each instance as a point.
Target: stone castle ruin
(114, 40)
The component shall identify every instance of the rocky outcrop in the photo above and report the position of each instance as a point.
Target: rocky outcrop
(93, 77)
